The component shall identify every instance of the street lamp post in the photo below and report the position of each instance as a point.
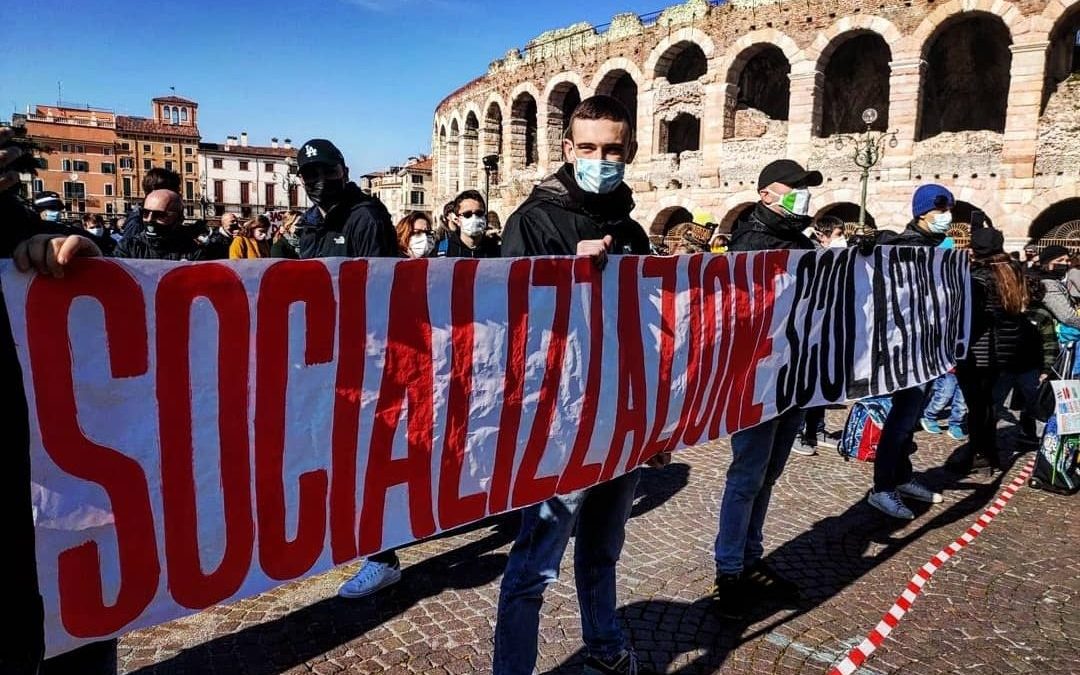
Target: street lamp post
(491, 165)
(869, 148)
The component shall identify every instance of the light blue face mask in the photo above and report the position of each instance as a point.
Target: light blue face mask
(51, 216)
(599, 176)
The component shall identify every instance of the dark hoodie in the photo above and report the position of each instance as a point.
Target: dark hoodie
(487, 248)
(357, 227)
(559, 214)
(763, 229)
(179, 244)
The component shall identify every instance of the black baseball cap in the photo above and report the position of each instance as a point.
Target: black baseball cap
(318, 151)
(48, 201)
(790, 173)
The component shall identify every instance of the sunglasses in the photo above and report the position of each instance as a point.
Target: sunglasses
(150, 214)
(470, 214)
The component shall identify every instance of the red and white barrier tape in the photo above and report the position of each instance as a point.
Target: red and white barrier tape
(859, 654)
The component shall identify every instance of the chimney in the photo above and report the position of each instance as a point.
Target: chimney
(243, 139)
(288, 144)
(230, 141)
(273, 142)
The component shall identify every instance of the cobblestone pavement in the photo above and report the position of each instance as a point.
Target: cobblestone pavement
(1010, 603)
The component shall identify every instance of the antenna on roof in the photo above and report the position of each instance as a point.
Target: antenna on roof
(173, 89)
(59, 93)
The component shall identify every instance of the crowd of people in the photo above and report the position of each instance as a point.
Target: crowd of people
(1022, 312)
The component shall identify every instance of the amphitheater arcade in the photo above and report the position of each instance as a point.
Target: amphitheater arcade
(984, 96)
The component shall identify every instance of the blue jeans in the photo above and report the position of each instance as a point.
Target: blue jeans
(758, 456)
(946, 392)
(599, 516)
(892, 465)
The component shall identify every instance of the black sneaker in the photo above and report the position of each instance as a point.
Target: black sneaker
(624, 664)
(729, 597)
(763, 579)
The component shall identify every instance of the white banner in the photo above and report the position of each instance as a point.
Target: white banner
(201, 432)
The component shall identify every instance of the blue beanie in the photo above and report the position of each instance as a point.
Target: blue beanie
(929, 197)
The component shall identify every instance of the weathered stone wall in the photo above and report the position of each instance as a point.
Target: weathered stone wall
(1014, 175)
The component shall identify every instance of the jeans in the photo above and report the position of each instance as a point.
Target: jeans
(598, 514)
(946, 392)
(758, 458)
(892, 465)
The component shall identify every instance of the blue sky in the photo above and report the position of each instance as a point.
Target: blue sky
(364, 73)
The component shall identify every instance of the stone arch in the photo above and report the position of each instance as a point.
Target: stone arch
(954, 10)
(470, 150)
(682, 133)
(1059, 224)
(668, 217)
(848, 213)
(735, 208)
(524, 131)
(491, 133)
(666, 205)
(453, 156)
(825, 43)
(1043, 201)
(1063, 55)
(759, 86)
(442, 153)
(682, 62)
(619, 78)
(654, 64)
(856, 72)
(561, 97)
(966, 86)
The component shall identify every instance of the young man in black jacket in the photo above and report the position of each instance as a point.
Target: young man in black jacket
(344, 222)
(931, 208)
(583, 209)
(161, 234)
(760, 453)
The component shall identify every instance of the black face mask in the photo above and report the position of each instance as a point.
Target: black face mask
(326, 191)
(1057, 273)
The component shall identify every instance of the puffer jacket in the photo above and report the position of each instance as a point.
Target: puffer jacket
(1008, 342)
(763, 229)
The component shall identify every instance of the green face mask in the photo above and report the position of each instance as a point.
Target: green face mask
(796, 202)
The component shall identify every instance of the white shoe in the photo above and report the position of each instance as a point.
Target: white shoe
(890, 504)
(372, 577)
(801, 448)
(919, 492)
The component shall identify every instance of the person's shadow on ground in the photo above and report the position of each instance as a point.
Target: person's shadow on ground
(823, 561)
(283, 643)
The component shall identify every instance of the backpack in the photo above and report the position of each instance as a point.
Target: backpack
(862, 431)
(1056, 468)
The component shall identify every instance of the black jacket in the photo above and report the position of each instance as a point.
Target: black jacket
(999, 339)
(283, 249)
(912, 235)
(559, 214)
(357, 227)
(489, 247)
(763, 229)
(217, 246)
(179, 246)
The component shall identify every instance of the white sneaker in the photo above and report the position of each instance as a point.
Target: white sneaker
(919, 492)
(801, 448)
(890, 504)
(372, 577)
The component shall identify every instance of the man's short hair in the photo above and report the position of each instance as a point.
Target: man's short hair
(827, 224)
(600, 107)
(160, 179)
(470, 194)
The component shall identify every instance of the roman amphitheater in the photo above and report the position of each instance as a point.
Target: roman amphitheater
(984, 97)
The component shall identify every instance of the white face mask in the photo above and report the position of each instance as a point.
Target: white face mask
(473, 226)
(796, 202)
(96, 231)
(421, 245)
(940, 223)
(839, 242)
